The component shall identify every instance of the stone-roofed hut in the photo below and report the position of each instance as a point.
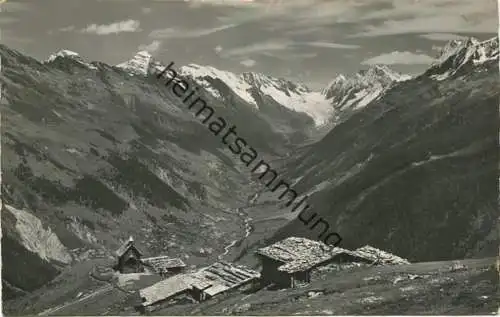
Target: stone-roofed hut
(164, 265)
(378, 256)
(129, 258)
(289, 262)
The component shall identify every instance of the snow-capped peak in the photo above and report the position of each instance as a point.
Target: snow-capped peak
(260, 80)
(362, 88)
(206, 77)
(64, 53)
(382, 73)
(252, 88)
(375, 77)
(142, 63)
(458, 54)
(71, 55)
(336, 82)
(453, 46)
(248, 86)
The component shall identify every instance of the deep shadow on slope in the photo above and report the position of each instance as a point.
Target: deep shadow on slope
(414, 172)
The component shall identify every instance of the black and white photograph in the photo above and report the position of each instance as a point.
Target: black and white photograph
(250, 157)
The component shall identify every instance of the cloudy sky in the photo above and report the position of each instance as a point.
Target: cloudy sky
(307, 40)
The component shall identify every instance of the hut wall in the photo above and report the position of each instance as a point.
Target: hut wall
(174, 270)
(302, 277)
(180, 298)
(270, 273)
(129, 262)
(198, 294)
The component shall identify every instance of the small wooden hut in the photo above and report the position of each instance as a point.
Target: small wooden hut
(129, 258)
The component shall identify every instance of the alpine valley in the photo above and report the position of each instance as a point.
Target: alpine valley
(94, 153)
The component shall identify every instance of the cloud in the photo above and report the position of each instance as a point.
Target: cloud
(67, 28)
(218, 49)
(258, 48)
(267, 11)
(305, 30)
(280, 48)
(290, 57)
(14, 6)
(225, 3)
(7, 20)
(437, 48)
(151, 47)
(113, 28)
(397, 57)
(146, 10)
(442, 36)
(374, 18)
(248, 62)
(172, 33)
(431, 16)
(331, 45)
(426, 24)
(10, 38)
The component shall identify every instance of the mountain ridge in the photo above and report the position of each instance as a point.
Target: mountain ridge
(458, 55)
(410, 171)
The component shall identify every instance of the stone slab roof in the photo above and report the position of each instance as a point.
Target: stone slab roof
(294, 248)
(379, 256)
(304, 264)
(301, 254)
(163, 263)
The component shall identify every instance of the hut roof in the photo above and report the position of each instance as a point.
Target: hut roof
(379, 256)
(294, 248)
(126, 246)
(213, 280)
(304, 264)
(165, 289)
(162, 263)
(224, 275)
(300, 254)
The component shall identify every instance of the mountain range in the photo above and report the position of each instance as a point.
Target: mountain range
(94, 153)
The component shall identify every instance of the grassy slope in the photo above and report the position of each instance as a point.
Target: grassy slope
(438, 291)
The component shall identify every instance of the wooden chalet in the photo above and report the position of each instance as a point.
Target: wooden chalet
(129, 258)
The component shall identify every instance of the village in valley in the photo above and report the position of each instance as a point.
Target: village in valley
(289, 263)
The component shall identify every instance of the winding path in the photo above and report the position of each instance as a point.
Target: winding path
(90, 295)
(247, 221)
